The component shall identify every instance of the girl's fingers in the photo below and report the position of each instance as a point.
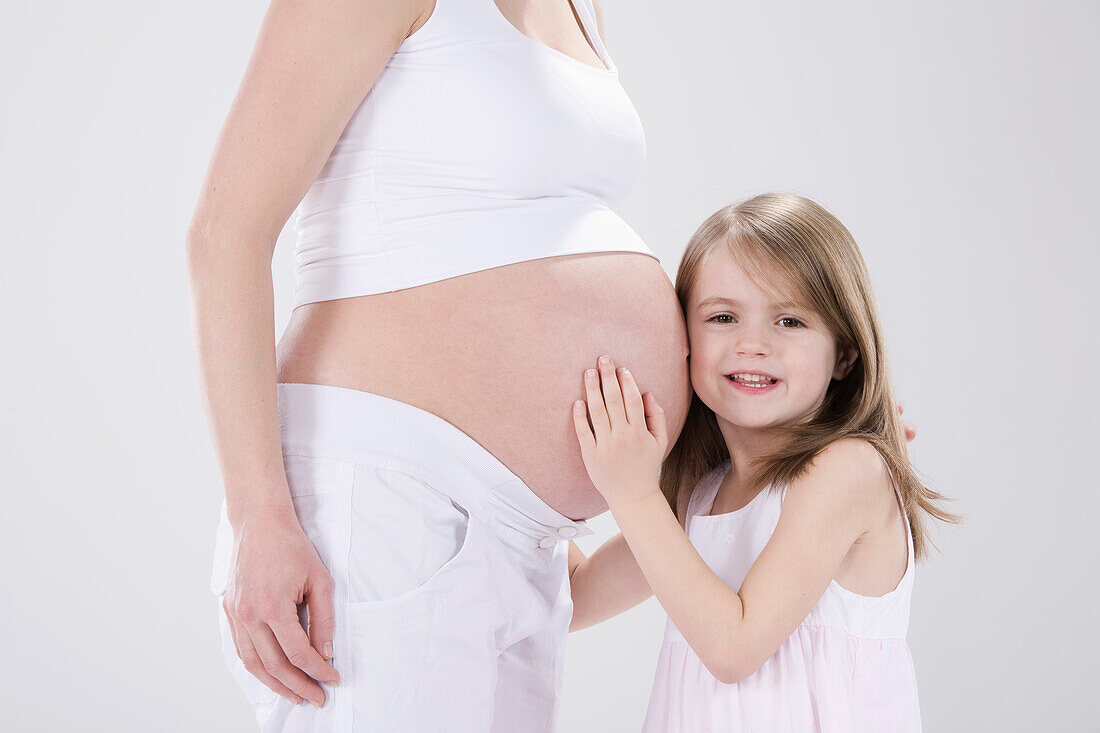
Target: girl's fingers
(632, 398)
(612, 394)
(584, 432)
(600, 422)
(910, 431)
(655, 420)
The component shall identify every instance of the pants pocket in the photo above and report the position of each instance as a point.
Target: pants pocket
(406, 537)
(418, 650)
(424, 657)
(422, 667)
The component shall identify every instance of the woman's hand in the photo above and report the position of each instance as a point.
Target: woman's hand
(626, 443)
(274, 568)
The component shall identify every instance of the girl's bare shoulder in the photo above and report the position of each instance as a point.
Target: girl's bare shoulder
(849, 472)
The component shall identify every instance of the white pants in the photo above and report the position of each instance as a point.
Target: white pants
(452, 588)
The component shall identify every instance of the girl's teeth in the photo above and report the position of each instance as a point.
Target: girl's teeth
(752, 380)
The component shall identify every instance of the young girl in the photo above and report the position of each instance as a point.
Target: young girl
(788, 595)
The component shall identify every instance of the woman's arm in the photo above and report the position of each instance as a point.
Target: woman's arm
(311, 66)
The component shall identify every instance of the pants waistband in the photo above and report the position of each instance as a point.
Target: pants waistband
(355, 426)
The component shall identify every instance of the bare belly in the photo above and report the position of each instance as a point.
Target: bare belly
(500, 355)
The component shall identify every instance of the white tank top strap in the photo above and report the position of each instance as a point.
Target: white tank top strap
(457, 21)
(587, 13)
(466, 20)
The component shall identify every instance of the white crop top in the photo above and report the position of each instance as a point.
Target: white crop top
(476, 147)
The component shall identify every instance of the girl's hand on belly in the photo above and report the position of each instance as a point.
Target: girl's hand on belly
(624, 447)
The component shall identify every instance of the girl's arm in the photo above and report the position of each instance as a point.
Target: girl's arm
(605, 584)
(610, 582)
(825, 512)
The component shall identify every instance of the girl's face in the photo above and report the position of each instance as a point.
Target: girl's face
(758, 359)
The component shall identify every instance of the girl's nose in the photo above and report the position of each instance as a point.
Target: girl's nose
(750, 342)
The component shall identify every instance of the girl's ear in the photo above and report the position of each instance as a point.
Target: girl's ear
(846, 358)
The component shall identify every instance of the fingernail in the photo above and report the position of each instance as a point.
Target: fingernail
(327, 650)
(605, 359)
(590, 373)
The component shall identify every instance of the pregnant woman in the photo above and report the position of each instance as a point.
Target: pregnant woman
(401, 471)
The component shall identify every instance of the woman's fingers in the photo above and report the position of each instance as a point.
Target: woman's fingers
(275, 662)
(246, 651)
(322, 616)
(612, 394)
(295, 644)
(600, 422)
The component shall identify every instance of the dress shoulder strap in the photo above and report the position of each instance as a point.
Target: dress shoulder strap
(911, 559)
(897, 491)
(702, 497)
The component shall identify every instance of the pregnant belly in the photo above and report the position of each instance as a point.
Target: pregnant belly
(500, 355)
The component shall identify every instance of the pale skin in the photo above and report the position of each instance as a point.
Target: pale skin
(840, 521)
(310, 68)
(252, 185)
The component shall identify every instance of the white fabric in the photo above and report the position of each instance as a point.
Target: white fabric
(476, 147)
(452, 588)
(846, 668)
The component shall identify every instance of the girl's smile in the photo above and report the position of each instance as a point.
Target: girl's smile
(751, 382)
(787, 496)
(759, 358)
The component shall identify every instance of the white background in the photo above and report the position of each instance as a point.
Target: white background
(957, 141)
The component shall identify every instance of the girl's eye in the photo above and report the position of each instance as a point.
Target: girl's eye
(788, 322)
(721, 315)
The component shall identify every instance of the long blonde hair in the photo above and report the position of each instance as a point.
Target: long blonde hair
(809, 247)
